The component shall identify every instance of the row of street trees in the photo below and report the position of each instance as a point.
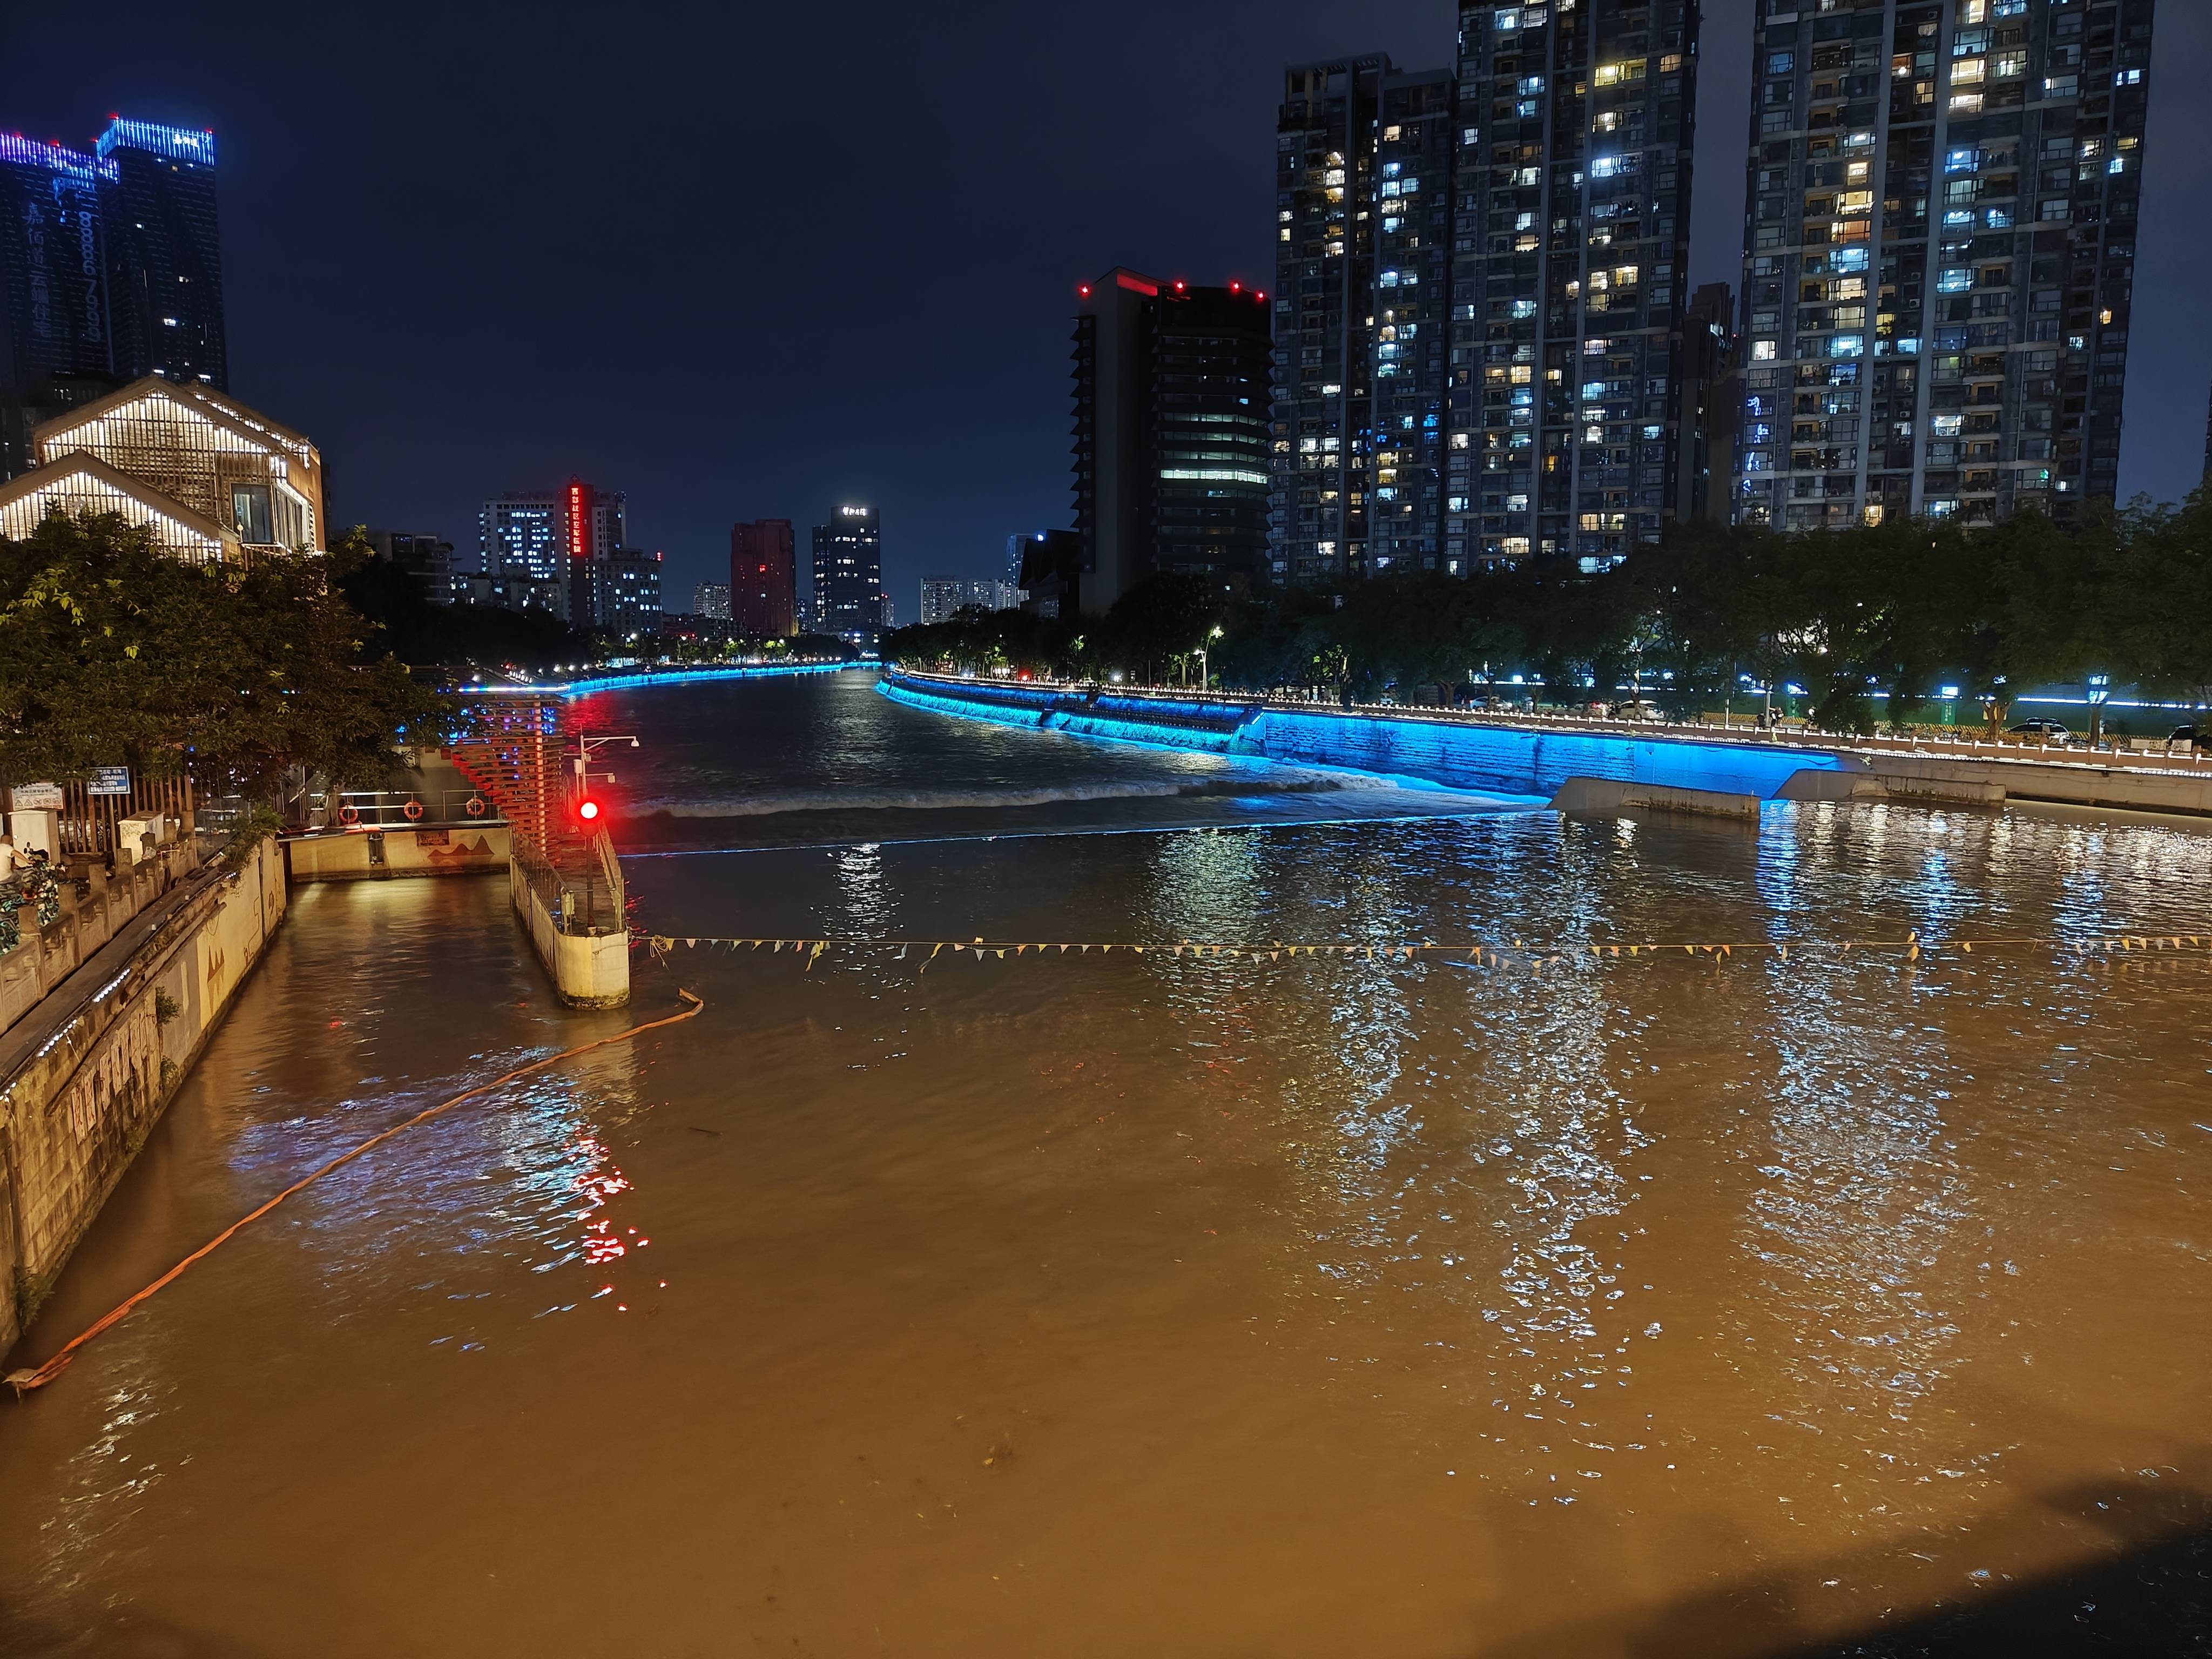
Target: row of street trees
(1907, 609)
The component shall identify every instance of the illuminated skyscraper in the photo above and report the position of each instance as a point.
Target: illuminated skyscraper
(1940, 257)
(848, 576)
(164, 255)
(1171, 401)
(54, 347)
(1570, 273)
(1364, 158)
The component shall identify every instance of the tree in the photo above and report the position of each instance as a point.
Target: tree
(114, 652)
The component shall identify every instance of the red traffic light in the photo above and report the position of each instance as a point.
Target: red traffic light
(588, 810)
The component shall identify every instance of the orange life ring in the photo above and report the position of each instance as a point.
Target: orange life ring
(412, 810)
(348, 814)
(474, 806)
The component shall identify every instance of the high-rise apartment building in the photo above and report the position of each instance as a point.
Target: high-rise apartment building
(53, 289)
(944, 598)
(711, 600)
(763, 579)
(848, 576)
(1940, 257)
(1480, 287)
(1172, 416)
(1570, 271)
(1364, 208)
(164, 254)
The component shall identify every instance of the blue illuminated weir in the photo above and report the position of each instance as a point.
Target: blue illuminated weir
(1460, 754)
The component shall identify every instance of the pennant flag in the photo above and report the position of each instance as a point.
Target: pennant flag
(1784, 949)
(691, 944)
(820, 945)
(1967, 946)
(779, 945)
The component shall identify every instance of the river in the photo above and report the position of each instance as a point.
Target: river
(1100, 1305)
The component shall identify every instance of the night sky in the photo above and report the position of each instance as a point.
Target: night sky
(747, 261)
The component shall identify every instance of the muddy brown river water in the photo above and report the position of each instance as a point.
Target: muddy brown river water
(1092, 1305)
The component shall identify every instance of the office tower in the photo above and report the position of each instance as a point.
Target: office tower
(848, 576)
(53, 289)
(1712, 398)
(430, 559)
(763, 579)
(1171, 402)
(1365, 210)
(711, 600)
(1940, 257)
(522, 550)
(164, 257)
(1570, 271)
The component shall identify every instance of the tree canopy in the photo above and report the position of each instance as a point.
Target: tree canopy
(1905, 609)
(114, 652)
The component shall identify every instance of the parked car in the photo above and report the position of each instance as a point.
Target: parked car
(2190, 737)
(2047, 731)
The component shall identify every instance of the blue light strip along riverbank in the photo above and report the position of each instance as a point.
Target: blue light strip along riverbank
(1491, 759)
(669, 677)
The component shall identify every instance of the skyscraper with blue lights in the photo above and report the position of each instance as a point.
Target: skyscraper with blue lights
(164, 257)
(53, 286)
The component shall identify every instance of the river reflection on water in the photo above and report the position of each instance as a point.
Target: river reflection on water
(1098, 1305)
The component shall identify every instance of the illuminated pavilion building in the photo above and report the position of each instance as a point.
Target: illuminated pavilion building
(214, 480)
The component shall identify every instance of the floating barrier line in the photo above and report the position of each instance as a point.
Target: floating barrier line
(1486, 953)
(24, 1381)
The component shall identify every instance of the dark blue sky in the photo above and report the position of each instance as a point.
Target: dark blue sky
(743, 260)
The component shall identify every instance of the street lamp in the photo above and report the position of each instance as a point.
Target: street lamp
(1202, 644)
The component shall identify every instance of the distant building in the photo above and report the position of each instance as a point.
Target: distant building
(1017, 548)
(848, 576)
(942, 597)
(1940, 257)
(54, 341)
(1171, 416)
(164, 254)
(522, 553)
(711, 600)
(215, 481)
(1052, 573)
(763, 579)
(627, 581)
(430, 559)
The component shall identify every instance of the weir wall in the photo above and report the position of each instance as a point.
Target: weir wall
(86, 1073)
(1498, 759)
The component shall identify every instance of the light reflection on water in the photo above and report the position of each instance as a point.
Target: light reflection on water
(1296, 1306)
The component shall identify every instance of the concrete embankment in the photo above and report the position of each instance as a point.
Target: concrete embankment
(87, 1070)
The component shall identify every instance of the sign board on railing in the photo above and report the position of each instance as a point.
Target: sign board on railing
(108, 781)
(35, 798)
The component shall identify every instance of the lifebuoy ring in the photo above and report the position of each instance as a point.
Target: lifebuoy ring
(412, 810)
(474, 806)
(348, 814)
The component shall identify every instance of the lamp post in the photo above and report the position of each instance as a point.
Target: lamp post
(1202, 644)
